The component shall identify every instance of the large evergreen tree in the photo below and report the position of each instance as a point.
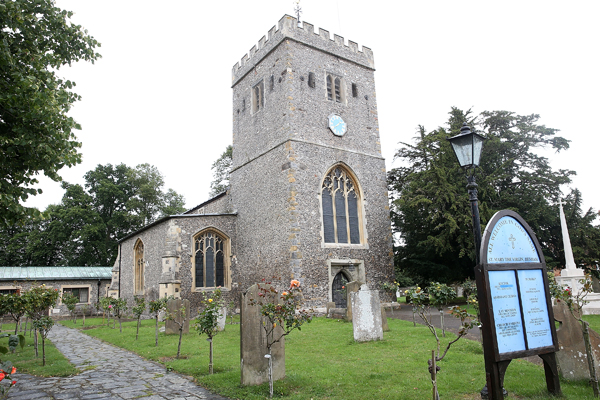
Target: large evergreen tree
(430, 207)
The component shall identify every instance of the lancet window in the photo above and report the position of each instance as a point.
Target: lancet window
(139, 267)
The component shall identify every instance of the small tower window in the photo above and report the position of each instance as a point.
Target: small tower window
(335, 89)
(258, 97)
(311, 79)
(354, 90)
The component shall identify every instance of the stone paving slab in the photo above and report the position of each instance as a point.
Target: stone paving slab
(120, 374)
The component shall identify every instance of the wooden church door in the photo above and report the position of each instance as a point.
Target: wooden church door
(338, 290)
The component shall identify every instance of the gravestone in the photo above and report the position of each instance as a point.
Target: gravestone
(222, 319)
(336, 313)
(174, 307)
(366, 315)
(351, 287)
(384, 323)
(572, 359)
(253, 343)
(329, 306)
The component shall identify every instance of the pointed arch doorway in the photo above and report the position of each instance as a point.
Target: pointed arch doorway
(338, 290)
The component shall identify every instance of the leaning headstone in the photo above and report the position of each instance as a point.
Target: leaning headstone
(384, 323)
(351, 287)
(366, 315)
(174, 307)
(253, 343)
(222, 319)
(572, 359)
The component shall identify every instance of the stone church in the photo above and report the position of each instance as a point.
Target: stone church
(307, 198)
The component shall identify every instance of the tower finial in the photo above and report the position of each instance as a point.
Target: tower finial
(297, 10)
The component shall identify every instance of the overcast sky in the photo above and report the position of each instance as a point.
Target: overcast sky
(161, 94)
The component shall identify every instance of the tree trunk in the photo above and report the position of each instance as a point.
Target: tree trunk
(43, 350)
(590, 358)
(270, 374)
(35, 343)
(156, 333)
(442, 322)
(179, 345)
(414, 319)
(83, 324)
(138, 330)
(114, 322)
(436, 395)
(210, 362)
(120, 326)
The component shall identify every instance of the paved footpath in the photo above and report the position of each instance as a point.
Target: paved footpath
(119, 374)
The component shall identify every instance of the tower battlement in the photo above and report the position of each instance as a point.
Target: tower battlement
(288, 28)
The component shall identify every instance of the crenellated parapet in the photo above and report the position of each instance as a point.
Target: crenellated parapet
(288, 28)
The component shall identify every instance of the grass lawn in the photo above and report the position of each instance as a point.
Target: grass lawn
(26, 361)
(323, 362)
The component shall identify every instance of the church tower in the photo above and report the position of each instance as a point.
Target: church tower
(308, 182)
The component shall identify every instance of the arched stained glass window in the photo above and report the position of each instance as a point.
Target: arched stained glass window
(139, 267)
(341, 214)
(209, 253)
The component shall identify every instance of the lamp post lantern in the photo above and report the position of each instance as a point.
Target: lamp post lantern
(467, 146)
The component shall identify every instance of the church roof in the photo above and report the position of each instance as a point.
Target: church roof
(54, 273)
(191, 210)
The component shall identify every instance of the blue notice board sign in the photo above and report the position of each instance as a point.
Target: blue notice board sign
(518, 300)
(507, 312)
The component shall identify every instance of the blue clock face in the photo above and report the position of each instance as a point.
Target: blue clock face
(337, 125)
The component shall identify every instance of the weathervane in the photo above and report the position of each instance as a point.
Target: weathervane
(297, 10)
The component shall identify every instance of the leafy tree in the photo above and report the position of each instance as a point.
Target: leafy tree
(156, 306)
(36, 135)
(43, 326)
(16, 306)
(430, 207)
(38, 300)
(84, 228)
(119, 307)
(138, 310)
(221, 169)
(207, 323)
(71, 302)
(179, 317)
(173, 203)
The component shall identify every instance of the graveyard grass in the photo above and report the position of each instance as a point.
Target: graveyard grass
(26, 362)
(323, 362)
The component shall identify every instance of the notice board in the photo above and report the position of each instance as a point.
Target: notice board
(517, 301)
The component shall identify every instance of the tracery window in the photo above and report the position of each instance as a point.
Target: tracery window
(340, 199)
(139, 267)
(210, 260)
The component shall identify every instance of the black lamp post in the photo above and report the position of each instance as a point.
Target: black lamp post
(467, 147)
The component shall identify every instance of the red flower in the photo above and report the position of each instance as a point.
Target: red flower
(2, 375)
(294, 283)
(13, 383)
(14, 369)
